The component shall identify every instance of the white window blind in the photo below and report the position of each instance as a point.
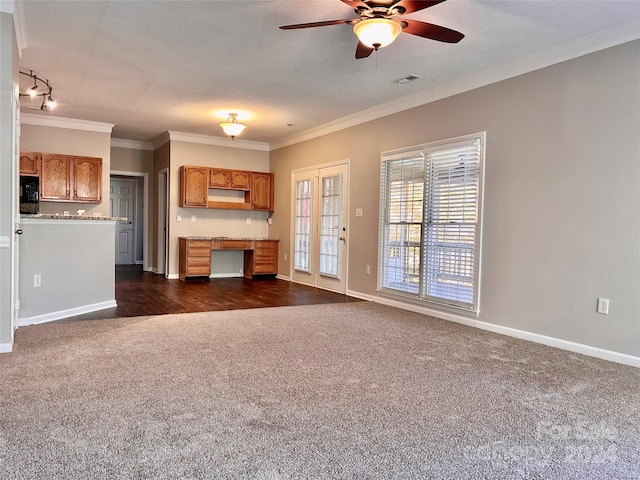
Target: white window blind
(431, 201)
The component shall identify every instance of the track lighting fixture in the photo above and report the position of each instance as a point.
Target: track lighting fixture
(43, 89)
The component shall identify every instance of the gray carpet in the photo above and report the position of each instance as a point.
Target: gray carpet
(353, 390)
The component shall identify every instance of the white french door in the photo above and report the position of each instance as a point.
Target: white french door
(320, 227)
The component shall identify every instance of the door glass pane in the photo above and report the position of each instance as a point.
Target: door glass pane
(302, 247)
(330, 225)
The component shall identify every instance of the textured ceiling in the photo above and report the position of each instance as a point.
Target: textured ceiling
(149, 67)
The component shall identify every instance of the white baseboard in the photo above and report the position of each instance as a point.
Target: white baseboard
(172, 276)
(71, 312)
(6, 348)
(589, 350)
(226, 275)
(283, 277)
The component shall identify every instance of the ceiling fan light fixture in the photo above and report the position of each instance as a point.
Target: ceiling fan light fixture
(231, 127)
(377, 32)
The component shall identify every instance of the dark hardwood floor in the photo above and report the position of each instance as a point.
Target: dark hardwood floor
(141, 293)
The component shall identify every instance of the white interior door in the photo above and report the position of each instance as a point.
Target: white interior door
(320, 227)
(121, 204)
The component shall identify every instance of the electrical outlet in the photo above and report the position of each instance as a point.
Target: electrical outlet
(248, 221)
(193, 218)
(37, 280)
(178, 218)
(603, 306)
(367, 269)
(358, 212)
(285, 257)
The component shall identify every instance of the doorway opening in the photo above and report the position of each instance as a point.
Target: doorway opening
(128, 197)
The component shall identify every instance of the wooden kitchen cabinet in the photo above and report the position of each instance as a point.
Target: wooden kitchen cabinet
(66, 178)
(219, 178)
(263, 260)
(55, 178)
(262, 191)
(29, 163)
(240, 180)
(195, 182)
(87, 180)
(194, 258)
(194, 186)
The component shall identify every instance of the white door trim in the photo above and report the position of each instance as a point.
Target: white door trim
(163, 221)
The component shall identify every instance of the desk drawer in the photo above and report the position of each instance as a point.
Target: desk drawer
(198, 244)
(236, 244)
(198, 261)
(198, 252)
(198, 270)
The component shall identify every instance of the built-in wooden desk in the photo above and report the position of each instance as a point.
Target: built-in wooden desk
(260, 255)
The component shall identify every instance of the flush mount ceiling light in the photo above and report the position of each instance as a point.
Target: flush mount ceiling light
(231, 127)
(377, 32)
(42, 89)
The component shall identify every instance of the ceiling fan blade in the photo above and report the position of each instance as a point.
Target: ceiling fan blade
(429, 30)
(320, 24)
(415, 5)
(363, 51)
(356, 4)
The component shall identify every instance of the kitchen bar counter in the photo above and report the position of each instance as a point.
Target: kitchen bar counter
(49, 216)
(66, 266)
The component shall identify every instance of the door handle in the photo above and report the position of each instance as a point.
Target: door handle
(19, 231)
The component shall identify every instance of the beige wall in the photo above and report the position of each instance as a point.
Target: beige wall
(36, 138)
(562, 194)
(213, 222)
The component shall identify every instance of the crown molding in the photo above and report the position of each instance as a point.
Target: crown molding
(131, 144)
(20, 26)
(62, 122)
(600, 40)
(218, 141)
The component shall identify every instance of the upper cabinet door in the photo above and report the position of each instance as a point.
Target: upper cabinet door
(262, 191)
(219, 178)
(240, 180)
(55, 177)
(87, 184)
(194, 186)
(29, 163)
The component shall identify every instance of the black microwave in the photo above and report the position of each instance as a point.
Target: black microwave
(29, 194)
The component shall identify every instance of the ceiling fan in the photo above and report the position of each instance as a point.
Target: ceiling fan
(380, 23)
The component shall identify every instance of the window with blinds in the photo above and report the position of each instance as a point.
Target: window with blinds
(430, 226)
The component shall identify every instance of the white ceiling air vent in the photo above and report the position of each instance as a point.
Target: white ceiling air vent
(409, 78)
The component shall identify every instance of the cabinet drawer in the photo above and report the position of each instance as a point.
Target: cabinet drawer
(198, 270)
(236, 244)
(198, 244)
(198, 261)
(198, 252)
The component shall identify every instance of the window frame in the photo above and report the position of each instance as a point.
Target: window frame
(421, 297)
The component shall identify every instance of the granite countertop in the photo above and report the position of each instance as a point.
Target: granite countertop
(55, 216)
(233, 238)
